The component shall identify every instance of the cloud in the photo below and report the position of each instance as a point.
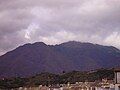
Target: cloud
(113, 39)
(31, 30)
(59, 37)
(57, 21)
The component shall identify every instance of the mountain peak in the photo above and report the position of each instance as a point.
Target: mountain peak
(36, 44)
(38, 57)
(39, 43)
(75, 44)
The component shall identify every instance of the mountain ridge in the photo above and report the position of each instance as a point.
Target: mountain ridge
(30, 59)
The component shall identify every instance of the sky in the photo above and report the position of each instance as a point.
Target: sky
(57, 21)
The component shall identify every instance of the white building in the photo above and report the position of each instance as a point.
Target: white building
(117, 79)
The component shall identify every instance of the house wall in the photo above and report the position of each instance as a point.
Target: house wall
(117, 86)
(118, 77)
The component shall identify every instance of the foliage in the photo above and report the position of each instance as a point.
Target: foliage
(51, 79)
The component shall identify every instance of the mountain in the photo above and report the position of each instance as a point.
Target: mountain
(31, 59)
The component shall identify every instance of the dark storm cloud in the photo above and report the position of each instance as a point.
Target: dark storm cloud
(56, 21)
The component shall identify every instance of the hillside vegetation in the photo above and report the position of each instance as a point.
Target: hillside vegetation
(52, 79)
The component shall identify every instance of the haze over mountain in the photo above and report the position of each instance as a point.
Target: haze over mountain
(38, 57)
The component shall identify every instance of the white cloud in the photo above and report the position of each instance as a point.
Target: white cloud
(113, 39)
(49, 40)
(58, 37)
(31, 30)
(64, 35)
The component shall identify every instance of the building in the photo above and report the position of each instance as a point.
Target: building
(117, 79)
